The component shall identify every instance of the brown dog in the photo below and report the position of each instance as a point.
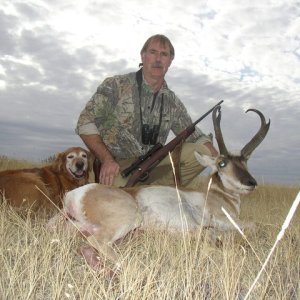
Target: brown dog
(69, 170)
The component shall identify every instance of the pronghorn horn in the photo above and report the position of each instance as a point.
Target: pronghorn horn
(259, 136)
(218, 132)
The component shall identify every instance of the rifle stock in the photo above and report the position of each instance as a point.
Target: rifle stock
(154, 159)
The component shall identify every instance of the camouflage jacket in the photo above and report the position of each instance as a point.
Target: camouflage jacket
(113, 112)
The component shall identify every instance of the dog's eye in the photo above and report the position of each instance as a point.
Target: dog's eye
(222, 163)
(70, 156)
(84, 155)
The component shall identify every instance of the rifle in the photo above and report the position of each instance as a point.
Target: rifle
(142, 158)
(142, 166)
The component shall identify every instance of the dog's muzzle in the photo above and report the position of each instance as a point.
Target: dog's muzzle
(80, 171)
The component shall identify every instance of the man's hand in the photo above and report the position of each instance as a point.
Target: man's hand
(109, 170)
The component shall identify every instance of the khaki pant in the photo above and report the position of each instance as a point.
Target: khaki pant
(163, 172)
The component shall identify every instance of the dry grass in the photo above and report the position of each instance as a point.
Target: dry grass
(38, 264)
(7, 163)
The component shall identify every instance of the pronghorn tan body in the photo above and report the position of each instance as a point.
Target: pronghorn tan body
(109, 213)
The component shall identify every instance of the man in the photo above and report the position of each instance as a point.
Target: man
(129, 113)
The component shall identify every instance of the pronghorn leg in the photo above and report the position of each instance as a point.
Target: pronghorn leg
(61, 220)
(91, 256)
(103, 244)
(216, 235)
(247, 225)
(56, 220)
(99, 247)
(103, 238)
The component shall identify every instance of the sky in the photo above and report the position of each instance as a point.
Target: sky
(54, 54)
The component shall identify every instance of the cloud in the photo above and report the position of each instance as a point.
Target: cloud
(7, 27)
(30, 11)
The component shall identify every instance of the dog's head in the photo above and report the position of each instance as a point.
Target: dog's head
(76, 161)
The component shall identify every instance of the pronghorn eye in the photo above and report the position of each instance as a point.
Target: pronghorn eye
(222, 164)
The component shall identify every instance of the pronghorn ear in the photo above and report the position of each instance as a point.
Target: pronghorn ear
(205, 160)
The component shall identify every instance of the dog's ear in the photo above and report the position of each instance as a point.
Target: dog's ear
(59, 161)
(91, 158)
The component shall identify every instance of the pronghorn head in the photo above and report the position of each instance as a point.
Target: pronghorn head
(231, 169)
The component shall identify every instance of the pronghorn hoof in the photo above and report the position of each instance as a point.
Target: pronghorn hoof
(92, 258)
(219, 242)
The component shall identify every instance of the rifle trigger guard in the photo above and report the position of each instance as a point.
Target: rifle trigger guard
(144, 177)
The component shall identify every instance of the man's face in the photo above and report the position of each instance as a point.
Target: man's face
(156, 60)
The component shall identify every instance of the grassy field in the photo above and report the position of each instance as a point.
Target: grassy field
(39, 264)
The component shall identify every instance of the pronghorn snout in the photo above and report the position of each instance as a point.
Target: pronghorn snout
(239, 171)
(252, 182)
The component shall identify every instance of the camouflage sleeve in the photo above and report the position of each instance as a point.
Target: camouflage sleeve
(98, 110)
(182, 120)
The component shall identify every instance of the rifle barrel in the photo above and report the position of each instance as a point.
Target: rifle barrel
(207, 113)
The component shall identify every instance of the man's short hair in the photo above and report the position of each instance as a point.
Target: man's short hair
(163, 40)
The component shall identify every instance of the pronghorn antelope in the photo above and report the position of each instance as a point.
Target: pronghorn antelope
(109, 213)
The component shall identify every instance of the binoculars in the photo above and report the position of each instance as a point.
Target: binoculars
(150, 134)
